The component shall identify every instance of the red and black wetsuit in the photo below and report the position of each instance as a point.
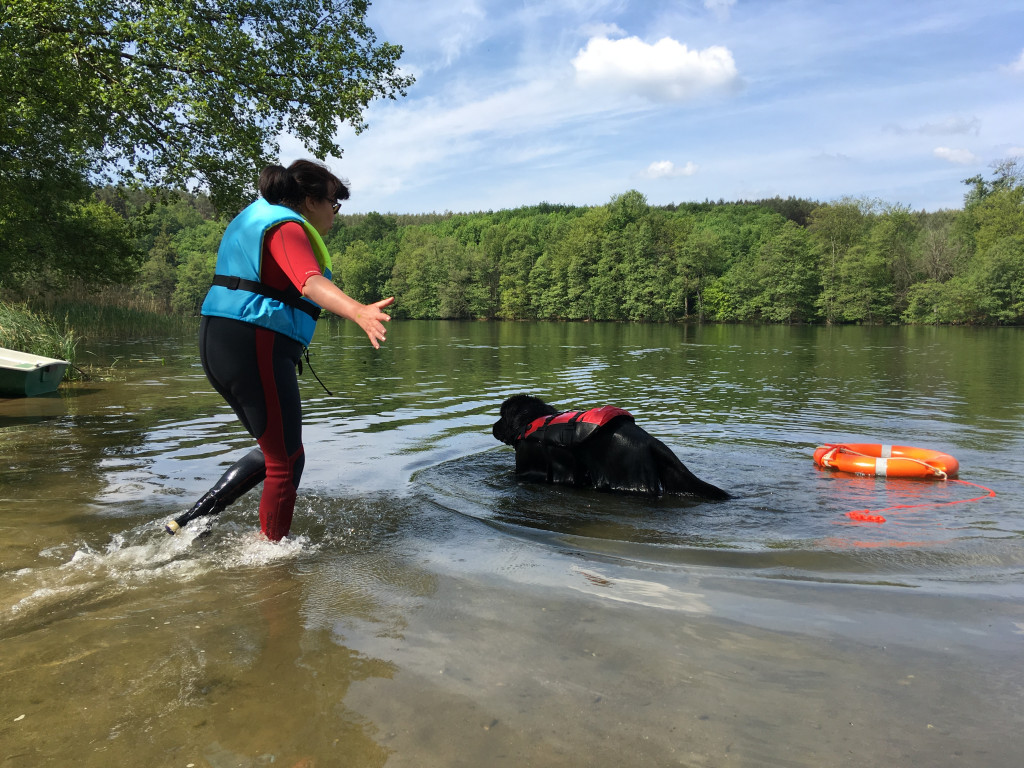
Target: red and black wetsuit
(254, 370)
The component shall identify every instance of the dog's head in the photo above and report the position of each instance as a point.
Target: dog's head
(516, 413)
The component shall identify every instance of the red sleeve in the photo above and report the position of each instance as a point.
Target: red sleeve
(291, 258)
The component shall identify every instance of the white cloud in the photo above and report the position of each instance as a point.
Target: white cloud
(439, 38)
(602, 30)
(720, 7)
(958, 156)
(665, 169)
(664, 71)
(950, 125)
(409, 146)
(1018, 66)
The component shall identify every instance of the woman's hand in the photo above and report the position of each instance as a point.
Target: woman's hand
(369, 317)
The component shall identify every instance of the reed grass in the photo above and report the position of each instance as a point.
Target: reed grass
(26, 330)
(118, 312)
(55, 326)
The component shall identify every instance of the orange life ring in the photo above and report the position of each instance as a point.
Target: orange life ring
(886, 460)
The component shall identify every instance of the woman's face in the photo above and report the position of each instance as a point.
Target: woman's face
(319, 211)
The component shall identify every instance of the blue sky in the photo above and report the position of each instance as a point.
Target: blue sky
(576, 101)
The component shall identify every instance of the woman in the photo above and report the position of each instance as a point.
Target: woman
(272, 277)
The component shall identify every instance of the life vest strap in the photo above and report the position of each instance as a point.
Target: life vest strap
(292, 298)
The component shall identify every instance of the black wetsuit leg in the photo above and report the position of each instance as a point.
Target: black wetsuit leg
(254, 370)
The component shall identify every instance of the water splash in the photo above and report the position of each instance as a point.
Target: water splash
(140, 556)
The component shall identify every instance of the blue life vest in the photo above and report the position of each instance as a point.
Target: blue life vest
(237, 292)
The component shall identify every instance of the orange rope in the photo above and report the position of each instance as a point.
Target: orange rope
(872, 516)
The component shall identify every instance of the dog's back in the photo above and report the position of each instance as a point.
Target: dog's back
(625, 457)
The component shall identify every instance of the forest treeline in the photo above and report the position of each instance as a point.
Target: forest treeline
(766, 261)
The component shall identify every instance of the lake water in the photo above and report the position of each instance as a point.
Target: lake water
(428, 610)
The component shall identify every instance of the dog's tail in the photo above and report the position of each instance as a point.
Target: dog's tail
(678, 479)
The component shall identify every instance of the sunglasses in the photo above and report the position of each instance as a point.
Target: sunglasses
(335, 206)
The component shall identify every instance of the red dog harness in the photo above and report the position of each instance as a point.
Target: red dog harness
(582, 424)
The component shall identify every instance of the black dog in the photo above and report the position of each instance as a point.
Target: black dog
(601, 448)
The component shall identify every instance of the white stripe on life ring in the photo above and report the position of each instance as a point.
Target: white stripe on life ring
(886, 451)
(881, 465)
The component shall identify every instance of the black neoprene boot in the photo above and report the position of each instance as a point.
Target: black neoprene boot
(242, 476)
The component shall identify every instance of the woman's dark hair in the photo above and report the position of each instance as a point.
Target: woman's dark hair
(304, 178)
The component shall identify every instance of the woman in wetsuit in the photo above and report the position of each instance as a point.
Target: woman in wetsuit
(272, 277)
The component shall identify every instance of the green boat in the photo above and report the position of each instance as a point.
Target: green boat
(25, 375)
